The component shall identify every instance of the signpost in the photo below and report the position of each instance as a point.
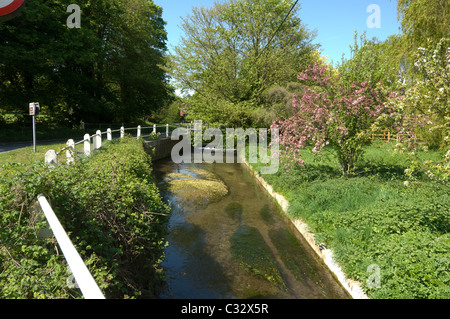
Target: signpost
(34, 110)
(10, 8)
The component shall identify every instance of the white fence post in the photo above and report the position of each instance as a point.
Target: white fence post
(83, 277)
(87, 145)
(109, 134)
(122, 132)
(138, 131)
(70, 151)
(97, 140)
(167, 130)
(154, 128)
(51, 158)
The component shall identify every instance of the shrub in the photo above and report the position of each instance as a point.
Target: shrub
(112, 211)
(330, 113)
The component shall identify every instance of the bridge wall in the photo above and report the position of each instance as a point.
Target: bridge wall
(159, 149)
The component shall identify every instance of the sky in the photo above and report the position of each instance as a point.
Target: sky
(334, 20)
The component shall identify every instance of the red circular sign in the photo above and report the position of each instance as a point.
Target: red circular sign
(10, 8)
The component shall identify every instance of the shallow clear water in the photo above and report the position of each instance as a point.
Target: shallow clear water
(239, 246)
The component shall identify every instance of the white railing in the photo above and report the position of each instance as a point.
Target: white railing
(51, 157)
(83, 277)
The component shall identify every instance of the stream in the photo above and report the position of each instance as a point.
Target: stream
(228, 239)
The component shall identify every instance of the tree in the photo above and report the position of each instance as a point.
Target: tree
(376, 62)
(424, 109)
(137, 54)
(423, 19)
(109, 69)
(331, 114)
(234, 51)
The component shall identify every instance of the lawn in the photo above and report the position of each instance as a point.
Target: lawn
(372, 218)
(27, 155)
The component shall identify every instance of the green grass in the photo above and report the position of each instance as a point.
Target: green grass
(12, 131)
(27, 155)
(373, 218)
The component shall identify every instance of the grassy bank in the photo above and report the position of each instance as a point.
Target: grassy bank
(110, 208)
(374, 219)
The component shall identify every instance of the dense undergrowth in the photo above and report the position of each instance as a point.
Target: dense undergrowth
(111, 210)
(372, 218)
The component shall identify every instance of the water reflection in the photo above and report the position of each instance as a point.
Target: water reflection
(236, 245)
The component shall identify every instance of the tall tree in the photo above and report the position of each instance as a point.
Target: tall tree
(376, 62)
(422, 22)
(107, 70)
(234, 51)
(138, 52)
(424, 19)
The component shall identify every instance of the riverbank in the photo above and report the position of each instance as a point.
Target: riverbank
(108, 205)
(326, 255)
(391, 238)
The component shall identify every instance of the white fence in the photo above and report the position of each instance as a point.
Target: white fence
(83, 277)
(51, 157)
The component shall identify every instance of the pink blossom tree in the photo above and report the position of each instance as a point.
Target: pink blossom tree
(330, 113)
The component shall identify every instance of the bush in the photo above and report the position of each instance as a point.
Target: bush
(330, 113)
(112, 211)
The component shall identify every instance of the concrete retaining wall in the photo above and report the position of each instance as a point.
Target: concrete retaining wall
(159, 149)
(352, 287)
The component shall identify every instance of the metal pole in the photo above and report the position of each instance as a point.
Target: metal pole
(34, 133)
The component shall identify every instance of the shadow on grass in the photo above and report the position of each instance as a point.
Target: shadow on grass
(381, 171)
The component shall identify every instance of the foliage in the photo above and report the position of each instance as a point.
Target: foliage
(376, 62)
(171, 113)
(222, 111)
(330, 113)
(423, 20)
(109, 206)
(107, 70)
(425, 104)
(235, 50)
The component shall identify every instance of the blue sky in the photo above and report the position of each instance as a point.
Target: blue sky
(334, 20)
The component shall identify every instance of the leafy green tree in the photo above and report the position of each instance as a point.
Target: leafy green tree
(423, 19)
(107, 70)
(137, 53)
(376, 62)
(234, 51)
